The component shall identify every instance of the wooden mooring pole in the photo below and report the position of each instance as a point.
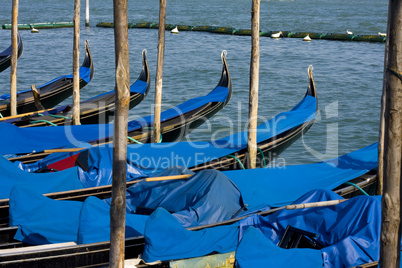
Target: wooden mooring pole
(159, 71)
(122, 88)
(254, 80)
(87, 13)
(76, 63)
(390, 151)
(14, 57)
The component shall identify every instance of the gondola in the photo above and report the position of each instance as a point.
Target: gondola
(5, 56)
(51, 93)
(96, 110)
(229, 153)
(264, 190)
(175, 123)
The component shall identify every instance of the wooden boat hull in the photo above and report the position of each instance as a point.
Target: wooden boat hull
(97, 254)
(52, 93)
(97, 110)
(175, 122)
(5, 56)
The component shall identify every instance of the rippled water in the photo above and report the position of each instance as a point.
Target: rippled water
(348, 75)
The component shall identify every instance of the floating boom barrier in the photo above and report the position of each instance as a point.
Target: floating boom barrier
(233, 31)
(45, 25)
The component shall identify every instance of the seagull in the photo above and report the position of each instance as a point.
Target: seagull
(34, 30)
(276, 35)
(307, 38)
(175, 30)
(382, 34)
(349, 32)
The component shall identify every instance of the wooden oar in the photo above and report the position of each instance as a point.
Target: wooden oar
(25, 114)
(315, 204)
(66, 150)
(271, 211)
(167, 178)
(105, 187)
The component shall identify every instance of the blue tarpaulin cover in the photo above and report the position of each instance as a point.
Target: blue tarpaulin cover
(207, 197)
(65, 180)
(271, 186)
(277, 186)
(33, 208)
(153, 158)
(138, 86)
(193, 201)
(349, 233)
(26, 140)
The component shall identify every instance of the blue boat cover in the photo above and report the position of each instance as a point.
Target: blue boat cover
(278, 186)
(65, 180)
(138, 86)
(70, 179)
(26, 140)
(348, 232)
(271, 186)
(85, 74)
(209, 196)
(154, 157)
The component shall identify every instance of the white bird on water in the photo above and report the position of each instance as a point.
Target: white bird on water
(276, 35)
(175, 30)
(349, 32)
(382, 34)
(307, 38)
(33, 29)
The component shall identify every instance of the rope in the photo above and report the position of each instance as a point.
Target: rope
(160, 134)
(398, 74)
(357, 187)
(1, 116)
(46, 121)
(59, 116)
(263, 157)
(133, 140)
(237, 159)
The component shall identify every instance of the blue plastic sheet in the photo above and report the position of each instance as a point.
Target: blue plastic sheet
(44, 183)
(94, 222)
(98, 172)
(255, 250)
(61, 217)
(206, 197)
(26, 140)
(278, 186)
(272, 186)
(195, 201)
(349, 233)
(162, 229)
(259, 187)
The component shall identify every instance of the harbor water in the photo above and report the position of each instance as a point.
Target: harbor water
(348, 75)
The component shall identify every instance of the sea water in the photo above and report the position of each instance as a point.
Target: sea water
(348, 75)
